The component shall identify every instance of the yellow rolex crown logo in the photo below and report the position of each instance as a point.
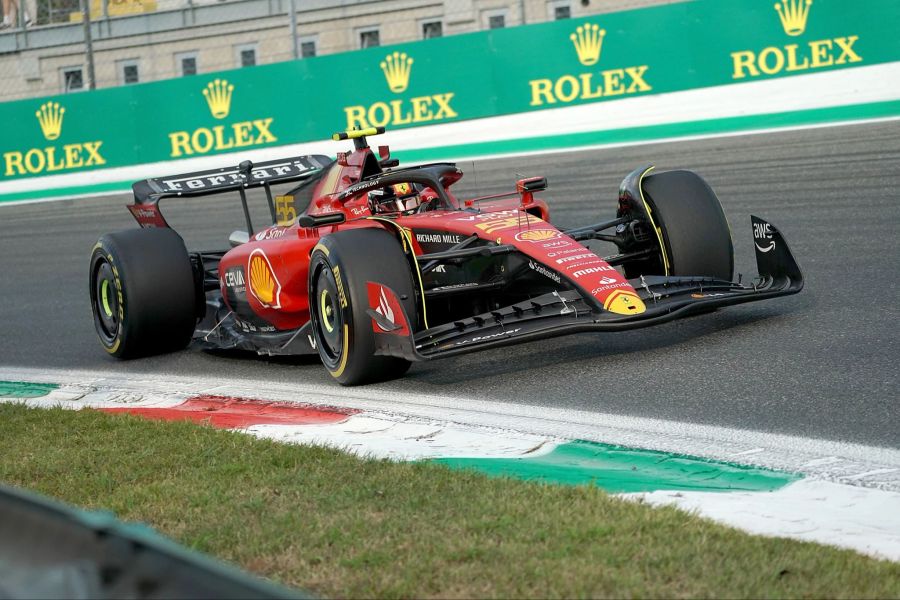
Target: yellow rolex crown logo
(396, 69)
(588, 40)
(793, 15)
(218, 96)
(50, 117)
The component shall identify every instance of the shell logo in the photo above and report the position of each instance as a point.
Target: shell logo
(264, 285)
(537, 235)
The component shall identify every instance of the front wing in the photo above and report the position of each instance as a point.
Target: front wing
(560, 313)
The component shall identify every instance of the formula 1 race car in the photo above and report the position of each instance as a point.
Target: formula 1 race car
(373, 266)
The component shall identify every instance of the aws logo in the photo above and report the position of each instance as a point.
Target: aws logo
(218, 94)
(52, 158)
(793, 16)
(588, 40)
(397, 69)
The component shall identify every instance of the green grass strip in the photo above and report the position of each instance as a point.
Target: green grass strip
(338, 525)
(648, 133)
(22, 389)
(620, 470)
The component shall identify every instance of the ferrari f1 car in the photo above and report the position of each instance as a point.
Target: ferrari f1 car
(373, 266)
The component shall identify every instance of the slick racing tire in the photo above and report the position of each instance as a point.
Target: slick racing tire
(340, 267)
(142, 292)
(695, 233)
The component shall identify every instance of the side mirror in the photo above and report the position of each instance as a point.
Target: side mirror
(238, 237)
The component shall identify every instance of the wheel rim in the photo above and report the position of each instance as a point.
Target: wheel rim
(328, 315)
(106, 301)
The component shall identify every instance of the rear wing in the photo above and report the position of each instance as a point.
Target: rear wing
(148, 192)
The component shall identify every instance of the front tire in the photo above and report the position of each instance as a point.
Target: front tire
(142, 292)
(340, 267)
(694, 230)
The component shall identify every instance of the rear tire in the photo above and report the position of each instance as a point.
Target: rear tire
(142, 292)
(695, 231)
(340, 267)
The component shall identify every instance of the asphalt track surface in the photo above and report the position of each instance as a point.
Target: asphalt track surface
(820, 364)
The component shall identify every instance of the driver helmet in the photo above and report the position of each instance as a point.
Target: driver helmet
(407, 196)
(400, 197)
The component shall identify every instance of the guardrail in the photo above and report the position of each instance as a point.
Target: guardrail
(608, 57)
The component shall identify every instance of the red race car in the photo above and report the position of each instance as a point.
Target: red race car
(373, 266)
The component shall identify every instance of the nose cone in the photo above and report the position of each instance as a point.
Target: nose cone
(624, 303)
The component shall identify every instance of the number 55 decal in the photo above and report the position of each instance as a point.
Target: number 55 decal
(285, 213)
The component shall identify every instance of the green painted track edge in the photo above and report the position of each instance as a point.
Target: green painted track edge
(24, 389)
(647, 133)
(618, 469)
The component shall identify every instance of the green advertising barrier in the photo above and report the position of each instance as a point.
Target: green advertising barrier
(606, 57)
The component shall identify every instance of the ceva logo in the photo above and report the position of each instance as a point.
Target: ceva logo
(793, 16)
(588, 42)
(397, 69)
(218, 94)
(50, 159)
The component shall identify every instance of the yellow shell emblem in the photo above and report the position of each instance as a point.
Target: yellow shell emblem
(537, 235)
(263, 283)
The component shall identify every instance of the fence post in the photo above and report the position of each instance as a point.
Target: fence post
(292, 15)
(88, 42)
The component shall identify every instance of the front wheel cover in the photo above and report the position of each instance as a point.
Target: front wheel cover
(107, 300)
(330, 314)
(341, 270)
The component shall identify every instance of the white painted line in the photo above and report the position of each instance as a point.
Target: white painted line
(785, 452)
(671, 140)
(817, 511)
(871, 473)
(391, 436)
(404, 438)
